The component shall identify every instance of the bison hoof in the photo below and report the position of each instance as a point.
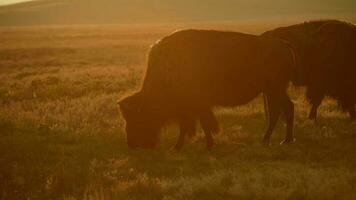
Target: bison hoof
(288, 141)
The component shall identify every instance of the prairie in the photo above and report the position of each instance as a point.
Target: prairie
(62, 137)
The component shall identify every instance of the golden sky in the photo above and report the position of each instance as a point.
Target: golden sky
(3, 2)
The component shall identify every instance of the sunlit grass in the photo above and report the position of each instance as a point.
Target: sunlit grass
(62, 135)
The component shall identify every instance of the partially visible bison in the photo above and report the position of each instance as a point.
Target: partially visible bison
(191, 71)
(327, 51)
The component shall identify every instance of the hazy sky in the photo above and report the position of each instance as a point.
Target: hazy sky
(3, 2)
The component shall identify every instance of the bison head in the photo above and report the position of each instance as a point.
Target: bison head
(142, 128)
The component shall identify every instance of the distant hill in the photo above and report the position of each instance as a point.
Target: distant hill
(42, 12)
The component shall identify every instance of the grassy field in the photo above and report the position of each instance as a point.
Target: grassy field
(61, 134)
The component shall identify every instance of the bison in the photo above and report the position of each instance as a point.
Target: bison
(328, 67)
(191, 71)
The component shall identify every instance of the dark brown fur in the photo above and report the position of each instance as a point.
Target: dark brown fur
(191, 71)
(328, 66)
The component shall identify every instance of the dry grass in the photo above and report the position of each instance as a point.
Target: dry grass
(62, 138)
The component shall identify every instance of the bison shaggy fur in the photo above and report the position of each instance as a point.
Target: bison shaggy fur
(191, 71)
(327, 55)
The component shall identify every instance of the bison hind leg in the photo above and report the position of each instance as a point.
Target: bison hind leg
(209, 121)
(210, 125)
(191, 134)
(273, 113)
(278, 103)
(349, 107)
(315, 97)
(352, 113)
(187, 126)
(288, 109)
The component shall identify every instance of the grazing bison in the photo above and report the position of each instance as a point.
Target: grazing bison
(191, 71)
(328, 65)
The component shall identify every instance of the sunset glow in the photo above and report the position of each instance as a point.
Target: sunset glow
(6, 2)
(177, 99)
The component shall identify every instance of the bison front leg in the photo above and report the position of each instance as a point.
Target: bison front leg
(187, 127)
(210, 126)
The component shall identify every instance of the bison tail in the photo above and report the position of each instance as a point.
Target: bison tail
(297, 73)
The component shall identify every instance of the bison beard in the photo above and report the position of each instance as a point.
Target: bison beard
(191, 71)
(328, 68)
